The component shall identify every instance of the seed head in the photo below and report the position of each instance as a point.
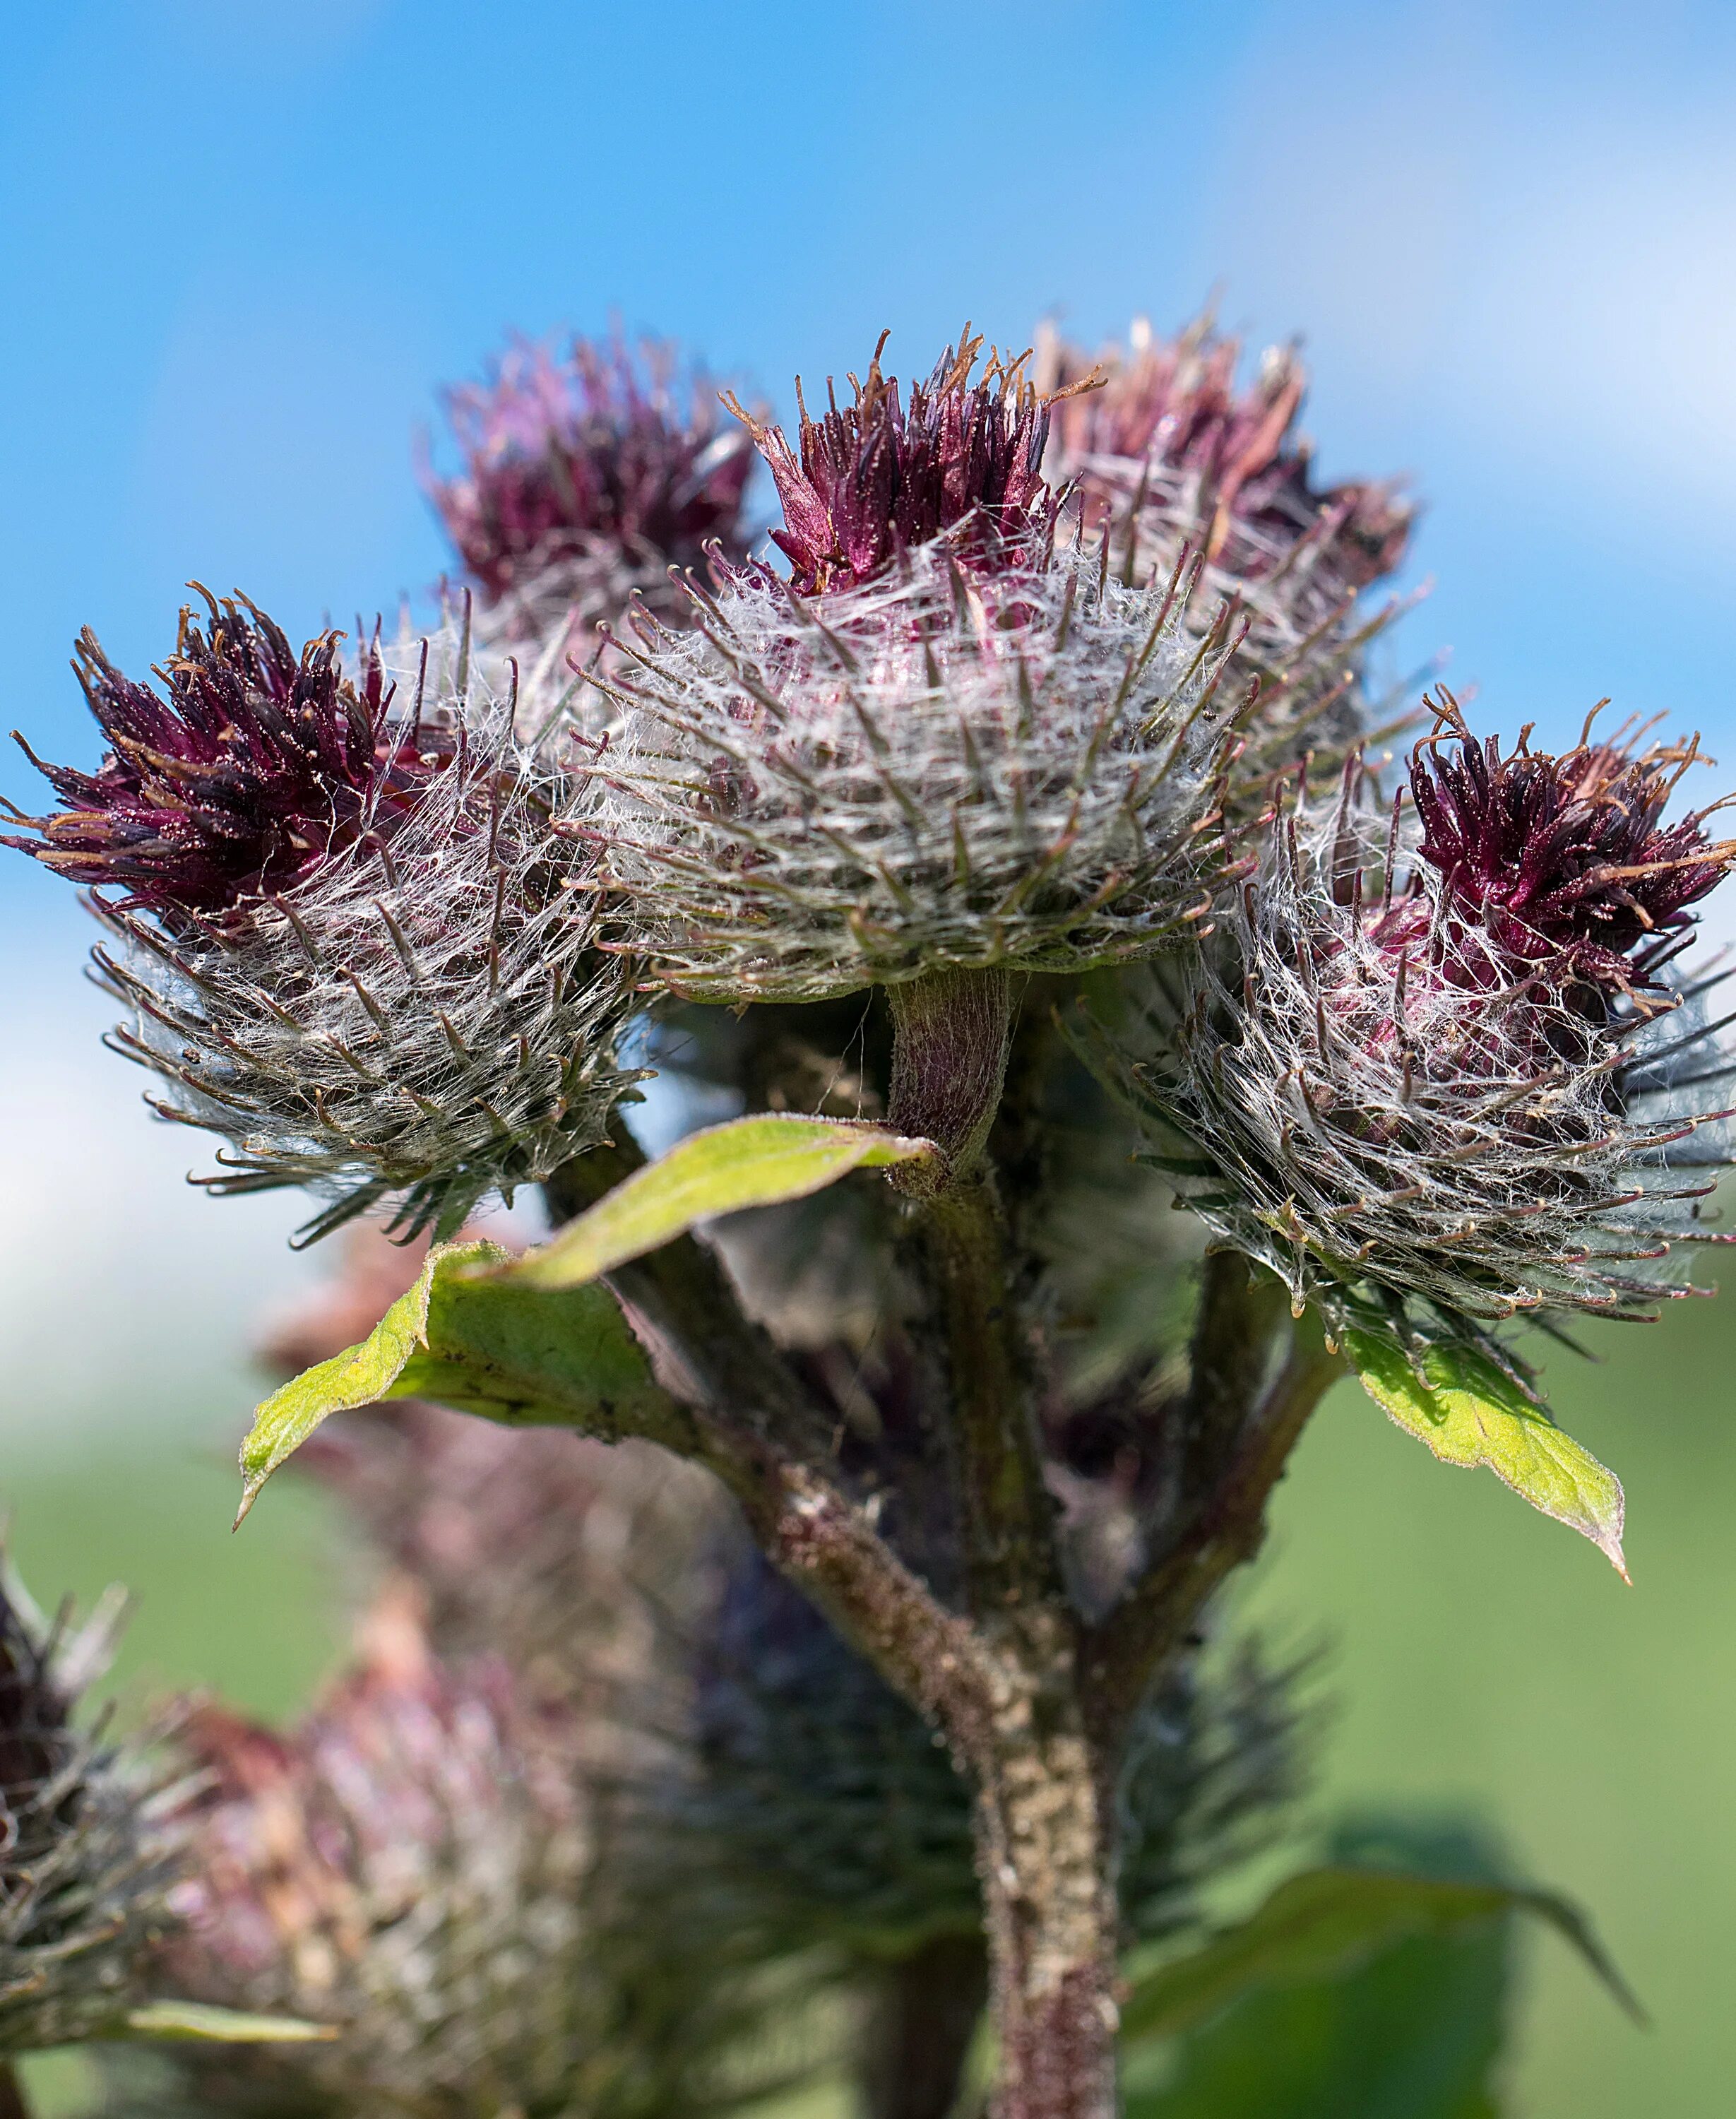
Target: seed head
(1169, 456)
(586, 477)
(1567, 860)
(420, 1017)
(1412, 1126)
(85, 1864)
(875, 480)
(250, 768)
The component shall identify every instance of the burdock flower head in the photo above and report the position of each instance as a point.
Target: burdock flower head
(350, 948)
(1427, 1111)
(86, 1863)
(1172, 456)
(940, 747)
(586, 478)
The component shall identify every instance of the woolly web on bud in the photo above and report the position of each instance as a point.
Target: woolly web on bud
(800, 799)
(1396, 1119)
(423, 1021)
(1174, 462)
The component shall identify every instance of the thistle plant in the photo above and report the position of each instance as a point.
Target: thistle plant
(1008, 842)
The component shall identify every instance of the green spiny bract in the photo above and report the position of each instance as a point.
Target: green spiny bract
(927, 770)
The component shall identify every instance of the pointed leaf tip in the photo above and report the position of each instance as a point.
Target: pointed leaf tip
(756, 1162)
(1469, 1414)
(182, 2021)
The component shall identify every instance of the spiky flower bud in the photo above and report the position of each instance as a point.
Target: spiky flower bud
(86, 1863)
(586, 478)
(398, 997)
(964, 754)
(1401, 1112)
(1170, 456)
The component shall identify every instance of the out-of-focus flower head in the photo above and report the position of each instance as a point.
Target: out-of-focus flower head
(965, 752)
(817, 1805)
(426, 1863)
(409, 1867)
(85, 1862)
(1171, 455)
(412, 1009)
(258, 766)
(586, 478)
(875, 480)
(1567, 861)
(1414, 1125)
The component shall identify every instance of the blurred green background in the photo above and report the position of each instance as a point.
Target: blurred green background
(1481, 1662)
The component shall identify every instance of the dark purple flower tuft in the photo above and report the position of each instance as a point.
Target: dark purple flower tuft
(256, 766)
(875, 480)
(1566, 858)
(565, 456)
(1173, 406)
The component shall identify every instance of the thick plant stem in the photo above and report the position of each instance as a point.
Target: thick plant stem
(12, 2105)
(1006, 1515)
(1046, 1855)
(1045, 1848)
(949, 1033)
(920, 2029)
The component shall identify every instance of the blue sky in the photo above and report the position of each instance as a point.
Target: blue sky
(243, 244)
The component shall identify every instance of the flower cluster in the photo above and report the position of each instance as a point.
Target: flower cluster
(85, 1861)
(392, 994)
(585, 479)
(963, 753)
(1411, 1097)
(1171, 456)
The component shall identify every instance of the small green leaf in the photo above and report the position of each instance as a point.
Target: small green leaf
(563, 1358)
(1323, 1924)
(749, 1163)
(1470, 1413)
(179, 2021)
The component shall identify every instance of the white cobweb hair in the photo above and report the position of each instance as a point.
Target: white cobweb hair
(422, 1021)
(799, 799)
(1308, 632)
(1344, 1089)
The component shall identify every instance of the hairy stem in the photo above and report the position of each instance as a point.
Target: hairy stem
(1046, 1855)
(1007, 1516)
(770, 1445)
(919, 2031)
(1257, 1376)
(950, 1031)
